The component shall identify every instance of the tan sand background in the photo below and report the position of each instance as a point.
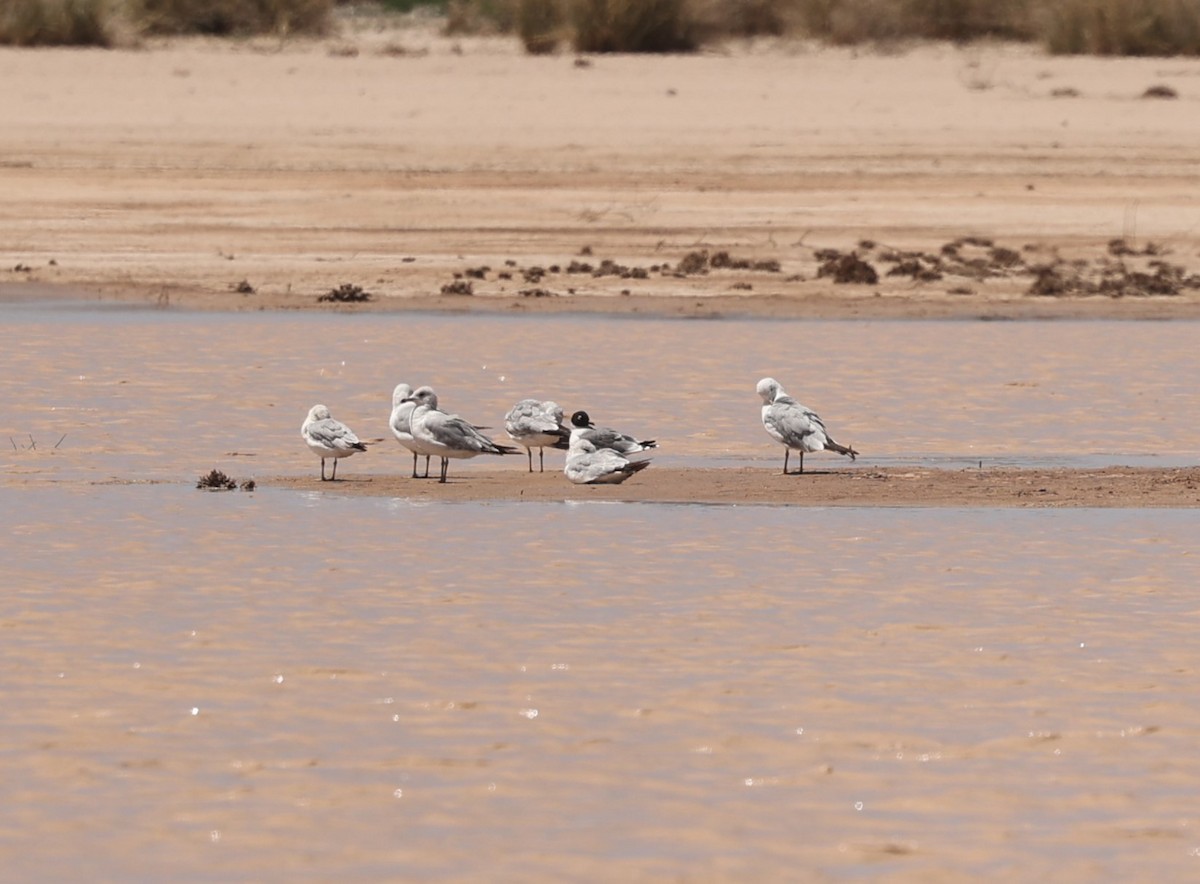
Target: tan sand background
(391, 158)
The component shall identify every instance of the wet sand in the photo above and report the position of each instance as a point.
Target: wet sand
(1111, 487)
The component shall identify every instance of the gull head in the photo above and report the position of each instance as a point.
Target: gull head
(401, 394)
(426, 396)
(769, 389)
(582, 445)
(580, 419)
(318, 413)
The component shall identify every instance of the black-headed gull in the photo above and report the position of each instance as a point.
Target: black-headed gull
(793, 425)
(603, 437)
(327, 437)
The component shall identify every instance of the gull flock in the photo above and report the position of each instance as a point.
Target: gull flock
(595, 455)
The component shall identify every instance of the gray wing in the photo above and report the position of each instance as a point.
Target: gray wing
(604, 466)
(334, 434)
(793, 424)
(455, 433)
(604, 437)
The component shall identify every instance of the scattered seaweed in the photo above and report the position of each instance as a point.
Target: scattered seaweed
(1160, 91)
(32, 446)
(215, 480)
(848, 269)
(347, 293)
(458, 287)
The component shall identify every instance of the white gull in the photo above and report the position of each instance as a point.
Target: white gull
(793, 425)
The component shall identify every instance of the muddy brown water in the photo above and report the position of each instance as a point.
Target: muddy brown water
(240, 686)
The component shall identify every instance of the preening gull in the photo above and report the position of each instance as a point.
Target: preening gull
(327, 437)
(534, 424)
(793, 425)
(403, 404)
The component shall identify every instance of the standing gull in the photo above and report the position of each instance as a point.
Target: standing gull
(793, 425)
(603, 437)
(328, 438)
(403, 404)
(447, 435)
(589, 465)
(533, 424)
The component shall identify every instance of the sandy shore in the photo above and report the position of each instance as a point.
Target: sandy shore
(261, 175)
(1110, 487)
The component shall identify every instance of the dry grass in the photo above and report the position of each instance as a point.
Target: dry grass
(541, 25)
(232, 17)
(1104, 27)
(634, 26)
(1100, 27)
(1123, 27)
(59, 22)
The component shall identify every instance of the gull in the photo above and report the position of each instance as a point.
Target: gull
(603, 437)
(589, 465)
(328, 438)
(793, 425)
(533, 424)
(447, 435)
(402, 409)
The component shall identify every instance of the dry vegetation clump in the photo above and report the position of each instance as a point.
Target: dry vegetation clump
(541, 25)
(60, 22)
(215, 480)
(850, 22)
(232, 17)
(846, 268)
(347, 293)
(1123, 272)
(634, 26)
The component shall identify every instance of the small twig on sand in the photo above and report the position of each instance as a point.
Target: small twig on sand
(60, 441)
(32, 443)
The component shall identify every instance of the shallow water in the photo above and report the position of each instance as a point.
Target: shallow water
(168, 395)
(238, 686)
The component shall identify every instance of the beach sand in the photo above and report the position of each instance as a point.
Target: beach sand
(817, 487)
(262, 174)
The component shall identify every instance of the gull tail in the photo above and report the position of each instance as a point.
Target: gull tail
(841, 449)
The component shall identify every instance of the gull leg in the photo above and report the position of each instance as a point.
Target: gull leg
(333, 475)
(786, 452)
(541, 461)
(415, 476)
(529, 451)
(323, 479)
(427, 466)
(445, 464)
(801, 460)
